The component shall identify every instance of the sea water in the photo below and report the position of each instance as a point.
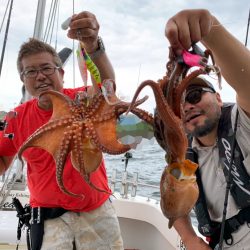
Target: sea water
(148, 161)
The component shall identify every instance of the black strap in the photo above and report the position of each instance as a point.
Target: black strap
(205, 225)
(36, 235)
(239, 219)
(44, 213)
(38, 216)
(28, 239)
(231, 225)
(35, 229)
(23, 214)
(210, 227)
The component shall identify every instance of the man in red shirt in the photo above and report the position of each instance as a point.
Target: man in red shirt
(91, 221)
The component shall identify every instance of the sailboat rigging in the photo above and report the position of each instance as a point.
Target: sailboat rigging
(6, 34)
(65, 53)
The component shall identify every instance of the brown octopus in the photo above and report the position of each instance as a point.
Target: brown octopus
(84, 128)
(179, 190)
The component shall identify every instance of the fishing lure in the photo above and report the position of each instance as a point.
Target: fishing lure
(82, 65)
(90, 64)
(197, 58)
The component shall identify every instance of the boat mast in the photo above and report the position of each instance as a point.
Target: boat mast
(38, 33)
(38, 28)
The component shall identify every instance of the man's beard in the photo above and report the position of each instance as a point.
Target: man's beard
(209, 125)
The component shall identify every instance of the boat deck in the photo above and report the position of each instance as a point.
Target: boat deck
(12, 247)
(22, 247)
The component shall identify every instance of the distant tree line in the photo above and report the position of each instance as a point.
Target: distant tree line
(2, 114)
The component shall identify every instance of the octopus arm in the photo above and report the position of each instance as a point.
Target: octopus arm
(48, 137)
(60, 158)
(91, 158)
(105, 137)
(136, 102)
(85, 156)
(180, 88)
(61, 104)
(142, 114)
(172, 124)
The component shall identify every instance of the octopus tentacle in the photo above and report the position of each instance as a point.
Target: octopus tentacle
(105, 116)
(77, 159)
(170, 121)
(61, 159)
(142, 114)
(41, 137)
(181, 88)
(92, 107)
(108, 145)
(59, 100)
(215, 67)
(172, 83)
(87, 179)
(136, 102)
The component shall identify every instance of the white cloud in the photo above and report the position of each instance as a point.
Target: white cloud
(133, 32)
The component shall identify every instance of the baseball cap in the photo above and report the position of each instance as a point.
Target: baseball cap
(200, 82)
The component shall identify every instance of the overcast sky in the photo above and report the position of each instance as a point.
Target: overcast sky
(133, 33)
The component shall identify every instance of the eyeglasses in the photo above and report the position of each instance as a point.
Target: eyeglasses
(32, 73)
(194, 96)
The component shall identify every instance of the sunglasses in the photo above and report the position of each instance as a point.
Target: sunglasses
(194, 96)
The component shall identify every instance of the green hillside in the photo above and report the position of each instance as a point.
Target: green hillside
(2, 114)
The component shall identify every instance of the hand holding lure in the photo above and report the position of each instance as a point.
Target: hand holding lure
(84, 60)
(85, 63)
(197, 58)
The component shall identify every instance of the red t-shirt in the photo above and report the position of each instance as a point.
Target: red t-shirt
(42, 184)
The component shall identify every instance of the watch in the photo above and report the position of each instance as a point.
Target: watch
(100, 49)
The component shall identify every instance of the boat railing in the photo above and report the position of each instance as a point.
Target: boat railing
(127, 183)
(12, 179)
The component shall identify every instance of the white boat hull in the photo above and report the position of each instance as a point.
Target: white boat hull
(142, 223)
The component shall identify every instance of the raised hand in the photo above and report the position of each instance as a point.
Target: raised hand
(188, 27)
(85, 27)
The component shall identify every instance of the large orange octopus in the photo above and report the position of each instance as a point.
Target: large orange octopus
(179, 190)
(84, 128)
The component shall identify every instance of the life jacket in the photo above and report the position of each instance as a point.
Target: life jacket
(240, 185)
